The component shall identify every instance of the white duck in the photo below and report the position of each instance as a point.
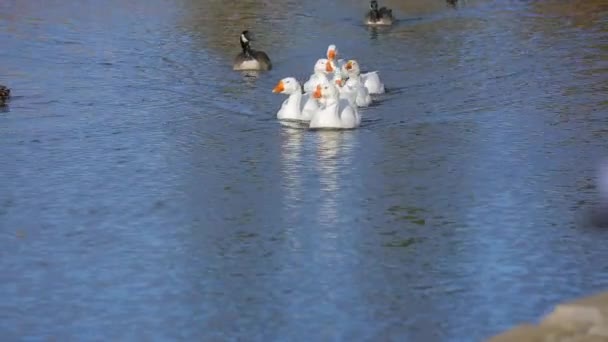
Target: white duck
(362, 98)
(334, 113)
(345, 90)
(293, 107)
(370, 80)
(320, 73)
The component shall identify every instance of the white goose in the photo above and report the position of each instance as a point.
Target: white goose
(346, 91)
(335, 113)
(370, 80)
(293, 107)
(320, 76)
(320, 71)
(362, 98)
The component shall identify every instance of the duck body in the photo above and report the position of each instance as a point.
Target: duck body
(293, 107)
(345, 90)
(362, 97)
(250, 59)
(311, 106)
(5, 94)
(371, 81)
(334, 113)
(378, 16)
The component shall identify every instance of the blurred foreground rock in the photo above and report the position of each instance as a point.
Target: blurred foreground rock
(583, 320)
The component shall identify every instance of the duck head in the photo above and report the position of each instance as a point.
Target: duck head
(287, 85)
(323, 66)
(373, 5)
(325, 91)
(332, 52)
(352, 67)
(339, 82)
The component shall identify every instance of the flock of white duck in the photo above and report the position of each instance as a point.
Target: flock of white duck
(332, 95)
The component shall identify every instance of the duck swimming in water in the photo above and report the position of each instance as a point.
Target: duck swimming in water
(375, 16)
(250, 59)
(334, 113)
(5, 93)
(294, 108)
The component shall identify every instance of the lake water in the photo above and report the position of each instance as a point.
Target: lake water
(148, 192)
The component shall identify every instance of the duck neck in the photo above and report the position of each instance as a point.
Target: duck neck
(294, 100)
(355, 77)
(374, 12)
(330, 102)
(246, 48)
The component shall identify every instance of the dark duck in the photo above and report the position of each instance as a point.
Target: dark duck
(5, 93)
(250, 59)
(382, 16)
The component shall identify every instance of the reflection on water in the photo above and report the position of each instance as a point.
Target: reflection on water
(292, 161)
(149, 192)
(328, 153)
(250, 75)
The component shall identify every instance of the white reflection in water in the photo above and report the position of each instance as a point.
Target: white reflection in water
(319, 245)
(602, 180)
(333, 151)
(291, 169)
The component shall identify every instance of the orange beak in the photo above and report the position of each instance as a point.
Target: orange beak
(339, 82)
(328, 67)
(349, 65)
(317, 93)
(279, 88)
(331, 54)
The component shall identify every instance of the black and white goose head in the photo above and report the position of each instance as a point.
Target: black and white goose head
(373, 5)
(245, 39)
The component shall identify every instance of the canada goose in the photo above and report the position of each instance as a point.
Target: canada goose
(375, 16)
(5, 93)
(251, 59)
